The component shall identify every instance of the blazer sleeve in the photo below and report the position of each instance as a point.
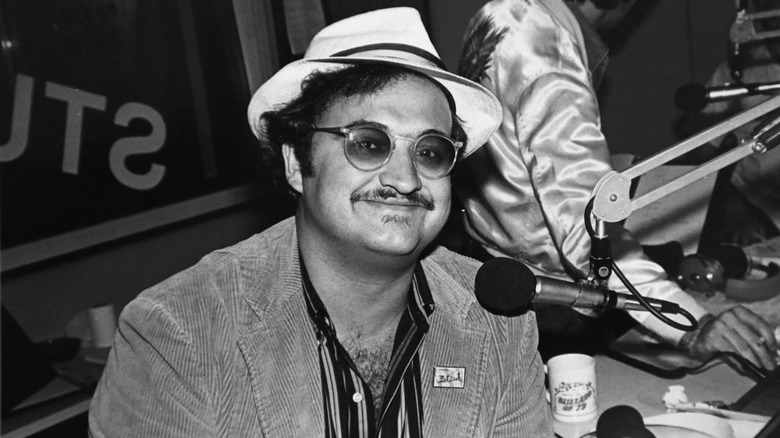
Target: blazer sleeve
(523, 411)
(153, 383)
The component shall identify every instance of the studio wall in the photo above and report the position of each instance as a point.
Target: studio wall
(662, 45)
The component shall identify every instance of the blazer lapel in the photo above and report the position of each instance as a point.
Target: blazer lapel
(455, 345)
(285, 374)
(278, 343)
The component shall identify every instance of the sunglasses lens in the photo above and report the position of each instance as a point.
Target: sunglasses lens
(368, 148)
(434, 155)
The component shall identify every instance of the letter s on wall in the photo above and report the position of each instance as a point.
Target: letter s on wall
(124, 147)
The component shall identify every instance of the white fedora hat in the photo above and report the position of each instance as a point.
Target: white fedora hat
(390, 36)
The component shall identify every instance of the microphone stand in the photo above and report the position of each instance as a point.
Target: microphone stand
(600, 256)
(611, 202)
(729, 92)
(743, 31)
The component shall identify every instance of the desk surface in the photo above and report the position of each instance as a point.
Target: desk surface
(620, 384)
(36, 420)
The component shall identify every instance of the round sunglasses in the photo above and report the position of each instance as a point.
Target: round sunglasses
(368, 148)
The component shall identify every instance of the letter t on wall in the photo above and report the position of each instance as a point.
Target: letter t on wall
(77, 100)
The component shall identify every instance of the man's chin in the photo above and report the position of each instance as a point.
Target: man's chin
(397, 219)
(405, 245)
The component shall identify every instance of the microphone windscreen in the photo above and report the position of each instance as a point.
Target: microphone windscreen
(504, 286)
(622, 422)
(691, 98)
(734, 260)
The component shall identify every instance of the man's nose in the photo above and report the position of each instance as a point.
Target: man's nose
(400, 172)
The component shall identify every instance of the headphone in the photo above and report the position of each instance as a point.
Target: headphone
(725, 272)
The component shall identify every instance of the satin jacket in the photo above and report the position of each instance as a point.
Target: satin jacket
(227, 349)
(525, 192)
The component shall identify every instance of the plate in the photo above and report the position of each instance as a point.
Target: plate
(690, 424)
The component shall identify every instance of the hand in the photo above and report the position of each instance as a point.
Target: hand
(741, 331)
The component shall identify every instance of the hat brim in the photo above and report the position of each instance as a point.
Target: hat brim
(476, 107)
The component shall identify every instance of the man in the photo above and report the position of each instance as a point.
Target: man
(525, 192)
(747, 214)
(340, 321)
(750, 213)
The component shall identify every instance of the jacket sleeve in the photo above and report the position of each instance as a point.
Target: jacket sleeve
(545, 161)
(567, 155)
(153, 382)
(523, 410)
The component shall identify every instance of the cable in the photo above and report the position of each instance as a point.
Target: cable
(745, 366)
(688, 328)
(588, 211)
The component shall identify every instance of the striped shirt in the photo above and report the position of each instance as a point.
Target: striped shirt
(347, 398)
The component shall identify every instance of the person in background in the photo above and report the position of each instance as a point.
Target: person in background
(525, 192)
(751, 195)
(744, 223)
(341, 321)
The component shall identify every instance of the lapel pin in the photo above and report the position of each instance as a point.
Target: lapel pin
(448, 377)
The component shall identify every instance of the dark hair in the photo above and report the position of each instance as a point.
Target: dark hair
(292, 123)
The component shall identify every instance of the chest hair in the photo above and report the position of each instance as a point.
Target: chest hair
(372, 360)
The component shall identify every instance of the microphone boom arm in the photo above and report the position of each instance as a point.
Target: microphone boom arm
(612, 202)
(742, 30)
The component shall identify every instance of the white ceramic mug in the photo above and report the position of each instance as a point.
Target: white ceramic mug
(572, 384)
(102, 322)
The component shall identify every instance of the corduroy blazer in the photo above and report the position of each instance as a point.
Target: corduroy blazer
(226, 349)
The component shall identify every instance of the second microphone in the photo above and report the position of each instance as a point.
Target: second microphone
(507, 287)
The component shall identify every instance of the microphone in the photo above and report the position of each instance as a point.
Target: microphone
(734, 260)
(507, 287)
(694, 97)
(622, 421)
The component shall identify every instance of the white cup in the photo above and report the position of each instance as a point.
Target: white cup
(572, 387)
(102, 322)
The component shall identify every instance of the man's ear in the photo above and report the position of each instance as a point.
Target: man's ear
(292, 168)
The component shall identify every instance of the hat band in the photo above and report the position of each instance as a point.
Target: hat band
(394, 46)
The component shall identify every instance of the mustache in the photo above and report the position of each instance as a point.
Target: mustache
(382, 194)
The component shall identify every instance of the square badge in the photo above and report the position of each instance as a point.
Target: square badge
(448, 377)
